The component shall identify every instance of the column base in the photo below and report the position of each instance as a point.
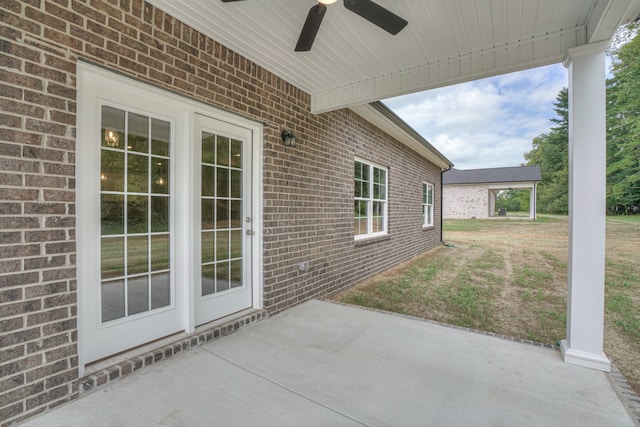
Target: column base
(581, 358)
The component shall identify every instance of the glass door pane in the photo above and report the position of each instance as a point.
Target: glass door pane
(135, 202)
(221, 208)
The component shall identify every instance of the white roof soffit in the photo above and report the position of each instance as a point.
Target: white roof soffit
(353, 62)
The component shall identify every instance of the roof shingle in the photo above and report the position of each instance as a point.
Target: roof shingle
(491, 175)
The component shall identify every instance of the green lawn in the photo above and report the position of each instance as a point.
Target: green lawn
(510, 277)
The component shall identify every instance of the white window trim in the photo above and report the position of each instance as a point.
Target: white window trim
(385, 219)
(426, 205)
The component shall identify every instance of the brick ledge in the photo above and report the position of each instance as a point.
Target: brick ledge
(95, 380)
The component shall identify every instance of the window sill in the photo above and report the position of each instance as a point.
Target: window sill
(428, 227)
(369, 240)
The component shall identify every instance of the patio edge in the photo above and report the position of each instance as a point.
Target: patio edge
(628, 397)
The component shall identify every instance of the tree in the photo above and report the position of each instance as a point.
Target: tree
(551, 152)
(623, 127)
(513, 200)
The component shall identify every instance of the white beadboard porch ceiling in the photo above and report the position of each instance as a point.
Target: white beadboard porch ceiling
(353, 62)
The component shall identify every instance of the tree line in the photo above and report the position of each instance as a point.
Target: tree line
(551, 149)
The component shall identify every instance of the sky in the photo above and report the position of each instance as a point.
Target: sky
(485, 123)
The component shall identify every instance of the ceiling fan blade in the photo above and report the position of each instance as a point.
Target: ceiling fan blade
(311, 27)
(377, 15)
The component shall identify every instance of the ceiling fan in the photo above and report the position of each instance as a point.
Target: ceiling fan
(367, 9)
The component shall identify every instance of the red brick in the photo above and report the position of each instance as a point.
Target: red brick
(47, 370)
(17, 251)
(12, 121)
(9, 266)
(44, 181)
(10, 208)
(18, 279)
(22, 108)
(66, 377)
(56, 328)
(45, 19)
(64, 14)
(18, 194)
(10, 92)
(54, 275)
(48, 343)
(59, 169)
(45, 127)
(56, 221)
(19, 79)
(44, 100)
(20, 51)
(10, 179)
(12, 324)
(45, 208)
(44, 236)
(63, 39)
(58, 196)
(18, 337)
(61, 90)
(16, 380)
(17, 136)
(60, 143)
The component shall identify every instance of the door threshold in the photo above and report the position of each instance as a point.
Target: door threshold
(111, 369)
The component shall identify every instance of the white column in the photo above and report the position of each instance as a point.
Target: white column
(492, 203)
(532, 202)
(587, 208)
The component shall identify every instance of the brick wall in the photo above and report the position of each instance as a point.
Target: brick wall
(309, 210)
(465, 201)
(308, 190)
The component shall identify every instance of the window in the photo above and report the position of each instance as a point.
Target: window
(370, 201)
(427, 204)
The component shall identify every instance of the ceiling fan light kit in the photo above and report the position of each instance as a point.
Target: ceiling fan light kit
(367, 9)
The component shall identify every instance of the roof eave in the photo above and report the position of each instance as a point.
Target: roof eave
(382, 117)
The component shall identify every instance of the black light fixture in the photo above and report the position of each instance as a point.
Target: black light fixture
(288, 138)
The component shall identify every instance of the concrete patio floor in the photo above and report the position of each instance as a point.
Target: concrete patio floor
(325, 364)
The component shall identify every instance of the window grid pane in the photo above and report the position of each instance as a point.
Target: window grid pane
(427, 204)
(370, 199)
(221, 207)
(134, 204)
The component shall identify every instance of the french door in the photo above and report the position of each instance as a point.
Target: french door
(225, 224)
(165, 214)
(130, 295)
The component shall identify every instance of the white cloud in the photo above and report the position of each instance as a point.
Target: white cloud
(485, 123)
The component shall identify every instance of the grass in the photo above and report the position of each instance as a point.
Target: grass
(510, 277)
(634, 219)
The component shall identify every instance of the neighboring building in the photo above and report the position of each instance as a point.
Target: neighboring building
(472, 193)
(146, 189)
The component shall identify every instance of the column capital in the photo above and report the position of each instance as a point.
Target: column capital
(585, 49)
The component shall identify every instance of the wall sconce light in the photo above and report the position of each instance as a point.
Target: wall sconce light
(288, 138)
(111, 137)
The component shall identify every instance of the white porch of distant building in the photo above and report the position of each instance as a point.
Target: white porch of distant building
(495, 189)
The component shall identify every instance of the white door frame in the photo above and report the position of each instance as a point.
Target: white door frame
(96, 85)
